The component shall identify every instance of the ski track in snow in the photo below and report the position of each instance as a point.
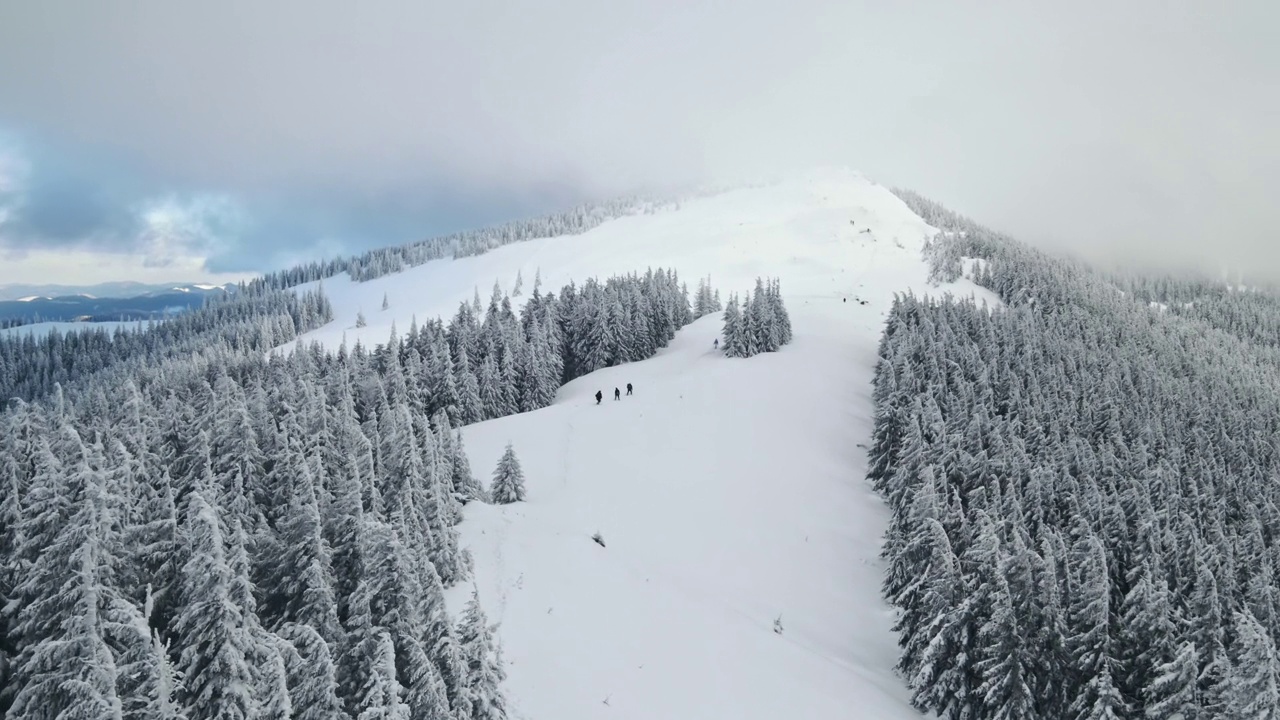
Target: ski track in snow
(727, 491)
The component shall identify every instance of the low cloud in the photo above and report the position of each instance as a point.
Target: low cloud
(1143, 128)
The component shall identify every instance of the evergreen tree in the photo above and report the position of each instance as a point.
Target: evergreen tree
(215, 640)
(65, 668)
(1004, 665)
(507, 485)
(779, 311)
(1252, 685)
(313, 686)
(492, 402)
(465, 485)
(1172, 690)
(733, 333)
(1090, 642)
(381, 697)
(271, 686)
(934, 661)
(484, 667)
(304, 577)
(470, 406)
(147, 681)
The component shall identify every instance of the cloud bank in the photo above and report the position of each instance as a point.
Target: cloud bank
(1141, 129)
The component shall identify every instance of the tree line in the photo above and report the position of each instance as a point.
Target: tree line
(249, 321)
(385, 261)
(1082, 489)
(758, 323)
(489, 361)
(223, 532)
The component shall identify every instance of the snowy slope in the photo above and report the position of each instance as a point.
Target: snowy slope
(728, 492)
(44, 328)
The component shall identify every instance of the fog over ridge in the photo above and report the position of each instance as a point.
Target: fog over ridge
(1142, 130)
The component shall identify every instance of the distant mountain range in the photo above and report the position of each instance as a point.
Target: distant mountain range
(106, 302)
(122, 289)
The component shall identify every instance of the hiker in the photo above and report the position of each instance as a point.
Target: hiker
(716, 344)
(628, 388)
(617, 395)
(599, 397)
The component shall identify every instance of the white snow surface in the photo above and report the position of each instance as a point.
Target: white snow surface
(44, 328)
(728, 492)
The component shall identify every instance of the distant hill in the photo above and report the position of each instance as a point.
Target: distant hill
(121, 289)
(151, 302)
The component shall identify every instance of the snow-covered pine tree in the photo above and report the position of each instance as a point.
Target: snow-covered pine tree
(64, 666)
(491, 396)
(1004, 662)
(312, 679)
(303, 573)
(1147, 634)
(755, 324)
(780, 315)
(519, 285)
(529, 374)
(148, 682)
(381, 698)
(271, 684)
(465, 484)
(484, 666)
(935, 664)
(470, 406)
(703, 302)
(1252, 686)
(442, 386)
(385, 304)
(396, 591)
(215, 641)
(550, 345)
(1090, 642)
(360, 321)
(507, 485)
(595, 349)
(436, 502)
(616, 333)
(732, 334)
(151, 538)
(1172, 690)
(508, 380)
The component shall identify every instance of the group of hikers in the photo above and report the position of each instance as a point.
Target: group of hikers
(617, 394)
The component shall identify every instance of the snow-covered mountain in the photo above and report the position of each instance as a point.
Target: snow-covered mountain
(42, 313)
(729, 493)
(126, 289)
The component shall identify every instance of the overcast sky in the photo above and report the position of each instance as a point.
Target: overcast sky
(238, 136)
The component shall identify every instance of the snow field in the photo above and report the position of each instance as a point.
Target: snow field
(44, 328)
(728, 492)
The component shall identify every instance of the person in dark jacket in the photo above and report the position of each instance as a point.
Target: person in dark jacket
(628, 388)
(599, 397)
(617, 394)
